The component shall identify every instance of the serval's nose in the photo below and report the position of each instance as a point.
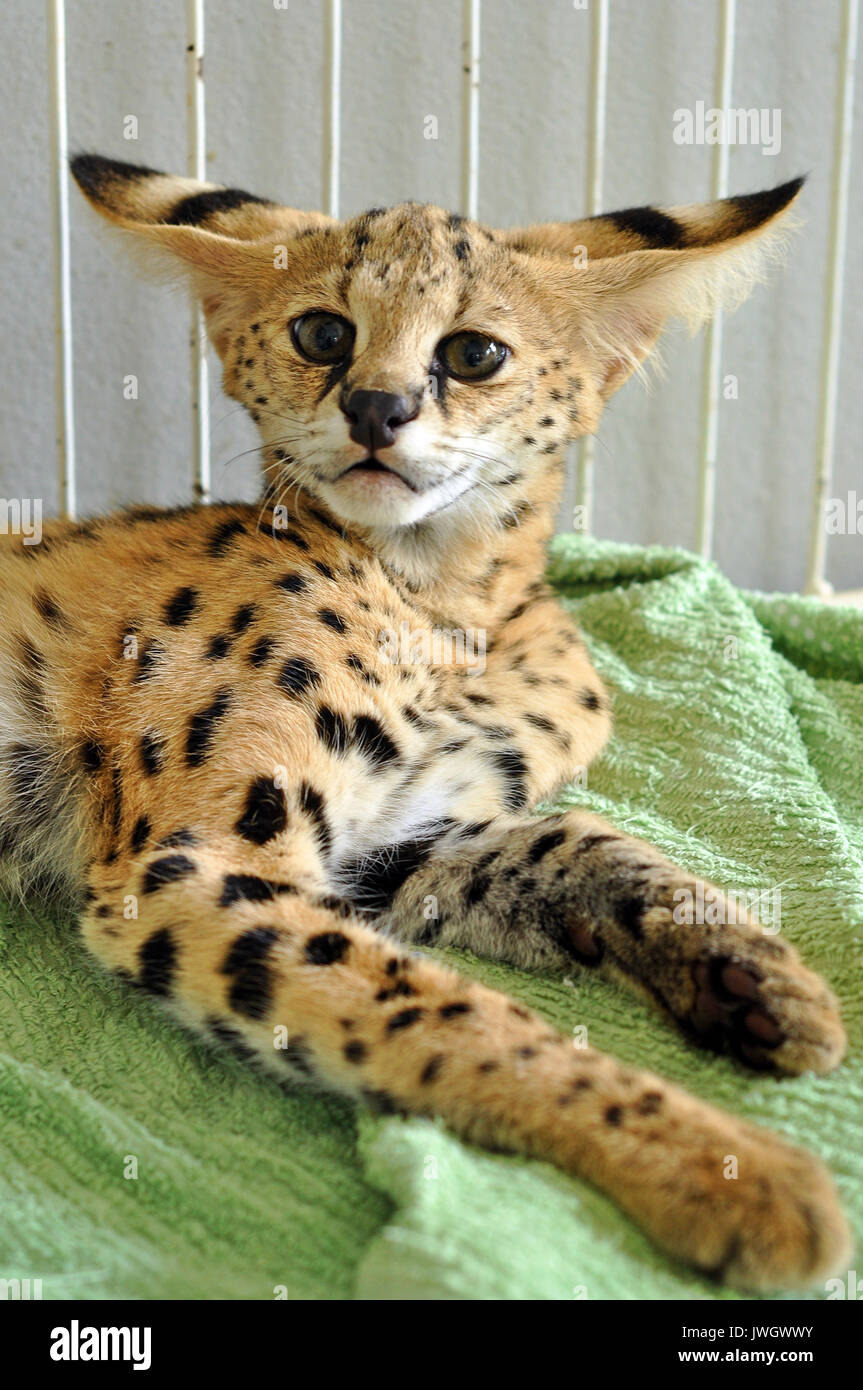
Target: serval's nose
(374, 416)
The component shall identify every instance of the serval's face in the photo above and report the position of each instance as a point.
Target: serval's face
(409, 363)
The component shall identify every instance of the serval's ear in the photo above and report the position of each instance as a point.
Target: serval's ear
(227, 239)
(626, 273)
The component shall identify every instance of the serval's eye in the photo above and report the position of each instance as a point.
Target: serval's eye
(471, 356)
(322, 337)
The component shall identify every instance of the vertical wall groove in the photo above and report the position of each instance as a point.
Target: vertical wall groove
(816, 582)
(65, 404)
(197, 169)
(332, 101)
(470, 116)
(584, 481)
(710, 385)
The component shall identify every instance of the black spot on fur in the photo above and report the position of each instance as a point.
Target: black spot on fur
(649, 1103)
(613, 1115)
(229, 1036)
(372, 740)
(327, 948)
(539, 721)
(179, 609)
(28, 685)
(432, 1069)
(261, 651)
(248, 888)
(251, 988)
(152, 750)
(400, 989)
(404, 1019)
(92, 755)
(297, 675)
(470, 832)
(184, 836)
(589, 699)
(545, 844)
(588, 842)
(243, 617)
(198, 207)
(223, 535)
(654, 227)
(340, 906)
(48, 609)
(476, 889)
(218, 647)
(282, 533)
(337, 528)
(454, 1010)
(299, 1057)
(140, 834)
(148, 659)
(170, 869)
(511, 763)
(265, 813)
(202, 728)
(331, 729)
(292, 583)
(116, 800)
(629, 911)
(355, 1051)
(157, 962)
(332, 620)
(252, 946)
(312, 803)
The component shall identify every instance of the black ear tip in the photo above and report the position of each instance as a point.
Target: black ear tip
(755, 208)
(94, 172)
(84, 169)
(786, 193)
(793, 186)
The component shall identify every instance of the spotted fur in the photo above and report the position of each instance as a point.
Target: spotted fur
(197, 716)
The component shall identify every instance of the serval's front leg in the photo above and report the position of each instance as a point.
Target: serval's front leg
(240, 951)
(540, 892)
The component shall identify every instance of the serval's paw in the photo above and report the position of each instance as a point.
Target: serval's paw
(733, 987)
(780, 1225)
(738, 1203)
(773, 1012)
(750, 993)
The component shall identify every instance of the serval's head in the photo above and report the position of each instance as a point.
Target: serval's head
(409, 364)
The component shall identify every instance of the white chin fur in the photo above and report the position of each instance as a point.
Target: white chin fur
(390, 506)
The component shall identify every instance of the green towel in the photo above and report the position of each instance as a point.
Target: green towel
(137, 1163)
